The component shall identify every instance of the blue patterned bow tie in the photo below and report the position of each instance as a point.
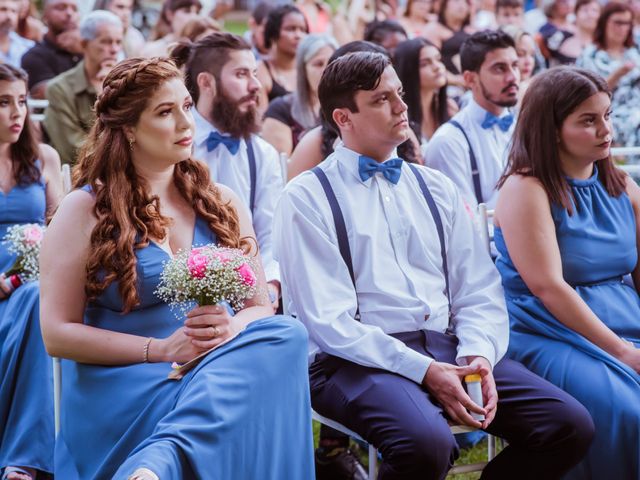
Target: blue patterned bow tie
(391, 169)
(503, 122)
(215, 138)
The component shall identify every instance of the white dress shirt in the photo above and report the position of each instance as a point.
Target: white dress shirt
(448, 152)
(397, 263)
(233, 171)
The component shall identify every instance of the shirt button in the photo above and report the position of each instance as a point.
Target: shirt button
(387, 199)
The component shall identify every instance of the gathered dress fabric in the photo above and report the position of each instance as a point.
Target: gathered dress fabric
(598, 248)
(242, 413)
(26, 383)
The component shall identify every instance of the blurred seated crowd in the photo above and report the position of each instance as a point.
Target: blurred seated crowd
(67, 55)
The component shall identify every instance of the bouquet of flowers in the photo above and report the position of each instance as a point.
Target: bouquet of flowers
(25, 241)
(206, 275)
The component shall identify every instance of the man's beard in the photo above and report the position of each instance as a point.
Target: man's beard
(496, 101)
(228, 118)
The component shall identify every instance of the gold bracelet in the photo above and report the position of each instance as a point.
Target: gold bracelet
(145, 354)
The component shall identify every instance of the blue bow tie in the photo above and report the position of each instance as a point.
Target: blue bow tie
(391, 169)
(503, 122)
(215, 138)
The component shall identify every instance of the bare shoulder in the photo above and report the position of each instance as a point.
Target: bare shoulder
(78, 203)
(633, 190)
(307, 154)
(74, 216)
(522, 196)
(228, 195)
(49, 156)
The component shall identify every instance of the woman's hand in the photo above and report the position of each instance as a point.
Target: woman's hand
(176, 348)
(631, 356)
(5, 291)
(209, 325)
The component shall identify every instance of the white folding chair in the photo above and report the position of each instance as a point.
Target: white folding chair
(486, 225)
(373, 451)
(36, 108)
(57, 370)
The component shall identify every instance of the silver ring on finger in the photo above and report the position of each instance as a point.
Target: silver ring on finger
(216, 331)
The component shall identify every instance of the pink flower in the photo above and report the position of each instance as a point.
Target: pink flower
(197, 263)
(247, 275)
(32, 235)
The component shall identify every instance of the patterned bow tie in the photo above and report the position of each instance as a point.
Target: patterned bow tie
(391, 169)
(503, 122)
(215, 138)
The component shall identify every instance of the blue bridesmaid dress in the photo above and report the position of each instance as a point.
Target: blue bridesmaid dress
(26, 383)
(243, 413)
(598, 247)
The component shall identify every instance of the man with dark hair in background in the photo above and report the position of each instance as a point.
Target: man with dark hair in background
(60, 49)
(471, 149)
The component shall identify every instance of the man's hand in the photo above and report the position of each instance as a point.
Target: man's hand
(70, 41)
(489, 392)
(105, 67)
(444, 382)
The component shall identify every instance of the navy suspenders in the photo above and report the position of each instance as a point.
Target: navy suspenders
(343, 239)
(252, 174)
(475, 174)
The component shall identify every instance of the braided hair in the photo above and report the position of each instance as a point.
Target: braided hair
(128, 216)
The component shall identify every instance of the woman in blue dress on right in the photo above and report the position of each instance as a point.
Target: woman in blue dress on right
(567, 232)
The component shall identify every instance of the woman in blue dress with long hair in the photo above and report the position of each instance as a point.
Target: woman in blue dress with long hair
(567, 234)
(30, 187)
(140, 199)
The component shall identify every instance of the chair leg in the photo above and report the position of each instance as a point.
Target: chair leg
(373, 462)
(491, 443)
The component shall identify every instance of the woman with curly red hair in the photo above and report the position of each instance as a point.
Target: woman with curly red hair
(140, 198)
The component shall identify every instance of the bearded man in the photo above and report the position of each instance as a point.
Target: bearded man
(220, 72)
(471, 149)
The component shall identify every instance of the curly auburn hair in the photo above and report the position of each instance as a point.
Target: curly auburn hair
(128, 216)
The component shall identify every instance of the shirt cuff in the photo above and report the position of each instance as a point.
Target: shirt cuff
(414, 365)
(476, 350)
(272, 272)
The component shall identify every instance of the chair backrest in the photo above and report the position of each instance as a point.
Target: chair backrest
(37, 108)
(66, 178)
(486, 225)
(284, 167)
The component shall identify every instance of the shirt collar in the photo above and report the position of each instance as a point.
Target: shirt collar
(477, 114)
(78, 80)
(204, 128)
(350, 160)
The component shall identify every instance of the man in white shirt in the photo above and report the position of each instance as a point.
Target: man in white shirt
(401, 301)
(472, 148)
(221, 77)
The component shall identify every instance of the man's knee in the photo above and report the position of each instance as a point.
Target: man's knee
(422, 449)
(571, 428)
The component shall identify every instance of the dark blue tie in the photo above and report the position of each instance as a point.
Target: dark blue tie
(391, 169)
(503, 122)
(215, 138)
